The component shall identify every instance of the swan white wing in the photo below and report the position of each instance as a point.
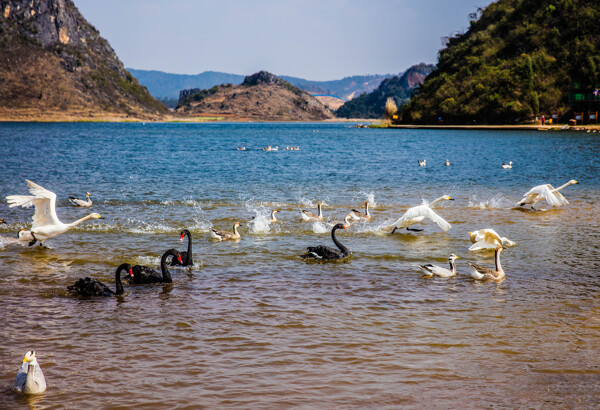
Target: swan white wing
(558, 197)
(441, 222)
(45, 206)
(410, 214)
(44, 202)
(486, 239)
(550, 195)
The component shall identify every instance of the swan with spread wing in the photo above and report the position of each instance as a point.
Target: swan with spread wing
(46, 224)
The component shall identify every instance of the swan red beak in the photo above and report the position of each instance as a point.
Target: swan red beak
(179, 259)
(131, 272)
(181, 238)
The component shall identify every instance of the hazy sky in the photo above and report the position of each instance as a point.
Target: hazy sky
(313, 39)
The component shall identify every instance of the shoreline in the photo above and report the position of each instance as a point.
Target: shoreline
(56, 117)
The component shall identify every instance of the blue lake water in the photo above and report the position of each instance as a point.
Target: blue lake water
(252, 325)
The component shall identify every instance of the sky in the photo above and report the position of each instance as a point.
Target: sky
(312, 39)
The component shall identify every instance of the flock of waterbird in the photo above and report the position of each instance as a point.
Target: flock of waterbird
(46, 225)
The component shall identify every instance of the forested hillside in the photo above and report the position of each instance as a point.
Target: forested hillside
(519, 59)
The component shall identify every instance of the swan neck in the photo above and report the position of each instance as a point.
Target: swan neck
(436, 201)
(80, 220)
(189, 249)
(562, 186)
(320, 213)
(273, 216)
(235, 230)
(367, 209)
(498, 265)
(337, 243)
(164, 269)
(453, 267)
(118, 282)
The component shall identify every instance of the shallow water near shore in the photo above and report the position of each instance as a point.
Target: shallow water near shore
(252, 325)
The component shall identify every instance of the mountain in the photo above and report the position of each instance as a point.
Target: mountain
(347, 88)
(54, 65)
(261, 97)
(166, 86)
(371, 105)
(518, 59)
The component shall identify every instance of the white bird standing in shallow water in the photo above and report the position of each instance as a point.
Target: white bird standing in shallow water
(434, 270)
(482, 241)
(30, 379)
(80, 202)
(479, 272)
(547, 192)
(418, 213)
(46, 224)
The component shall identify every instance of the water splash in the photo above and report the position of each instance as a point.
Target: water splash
(260, 223)
(319, 227)
(496, 202)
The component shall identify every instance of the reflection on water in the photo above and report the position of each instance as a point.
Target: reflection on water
(253, 325)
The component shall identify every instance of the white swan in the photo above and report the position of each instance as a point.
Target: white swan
(30, 378)
(547, 192)
(507, 166)
(46, 224)
(311, 217)
(80, 202)
(423, 163)
(488, 239)
(434, 270)
(479, 272)
(418, 213)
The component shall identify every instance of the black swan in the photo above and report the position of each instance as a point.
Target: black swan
(93, 287)
(144, 274)
(325, 252)
(186, 256)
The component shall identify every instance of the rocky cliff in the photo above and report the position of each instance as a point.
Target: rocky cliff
(261, 97)
(54, 65)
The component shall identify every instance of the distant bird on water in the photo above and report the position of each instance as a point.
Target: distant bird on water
(423, 163)
(46, 224)
(507, 166)
(80, 202)
(30, 378)
(447, 163)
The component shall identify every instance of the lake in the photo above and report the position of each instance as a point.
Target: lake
(252, 325)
